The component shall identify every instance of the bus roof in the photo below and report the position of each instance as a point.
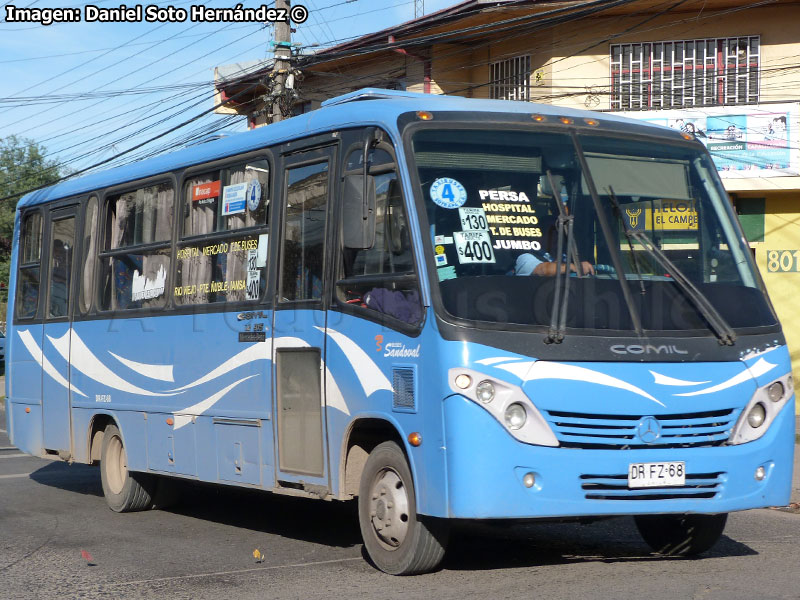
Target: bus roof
(363, 107)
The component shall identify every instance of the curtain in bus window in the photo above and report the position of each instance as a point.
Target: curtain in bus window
(235, 265)
(89, 250)
(235, 261)
(200, 214)
(196, 268)
(157, 226)
(120, 221)
(138, 280)
(142, 217)
(32, 239)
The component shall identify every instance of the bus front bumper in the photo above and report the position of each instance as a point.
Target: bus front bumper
(486, 469)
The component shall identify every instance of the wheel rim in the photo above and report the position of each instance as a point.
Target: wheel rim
(388, 507)
(117, 467)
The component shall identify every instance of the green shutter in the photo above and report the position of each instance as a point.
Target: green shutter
(751, 216)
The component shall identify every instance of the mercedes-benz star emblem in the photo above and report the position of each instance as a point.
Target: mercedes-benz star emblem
(649, 430)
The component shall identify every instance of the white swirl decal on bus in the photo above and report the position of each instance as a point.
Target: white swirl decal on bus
(87, 363)
(184, 417)
(749, 374)
(37, 354)
(369, 374)
(82, 358)
(530, 371)
(158, 372)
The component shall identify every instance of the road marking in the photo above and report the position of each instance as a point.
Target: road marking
(20, 455)
(8, 447)
(3, 431)
(239, 572)
(17, 476)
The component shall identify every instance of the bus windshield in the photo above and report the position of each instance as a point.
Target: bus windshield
(511, 212)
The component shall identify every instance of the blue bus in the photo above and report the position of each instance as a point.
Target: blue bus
(446, 308)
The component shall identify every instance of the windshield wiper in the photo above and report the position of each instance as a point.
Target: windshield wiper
(717, 322)
(628, 236)
(558, 317)
(605, 227)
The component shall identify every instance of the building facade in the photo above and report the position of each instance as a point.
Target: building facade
(726, 70)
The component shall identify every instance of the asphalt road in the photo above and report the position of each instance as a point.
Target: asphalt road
(50, 512)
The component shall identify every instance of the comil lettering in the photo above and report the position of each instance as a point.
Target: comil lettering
(648, 349)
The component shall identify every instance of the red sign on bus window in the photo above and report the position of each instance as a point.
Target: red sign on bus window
(204, 191)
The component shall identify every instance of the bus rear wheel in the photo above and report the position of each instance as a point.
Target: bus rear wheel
(124, 491)
(681, 535)
(397, 542)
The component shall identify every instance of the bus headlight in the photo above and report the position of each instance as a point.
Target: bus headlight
(485, 391)
(515, 416)
(775, 391)
(762, 410)
(757, 416)
(507, 403)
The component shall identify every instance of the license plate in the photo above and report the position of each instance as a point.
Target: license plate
(656, 474)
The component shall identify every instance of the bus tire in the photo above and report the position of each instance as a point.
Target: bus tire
(124, 491)
(395, 539)
(681, 535)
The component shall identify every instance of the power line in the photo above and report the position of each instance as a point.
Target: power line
(79, 52)
(157, 43)
(113, 144)
(191, 61)
(85, 124)
(133, 148)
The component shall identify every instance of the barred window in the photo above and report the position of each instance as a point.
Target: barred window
(511, 79)
(678, 74)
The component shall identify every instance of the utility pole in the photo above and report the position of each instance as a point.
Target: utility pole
(282, 62)
(419, 8)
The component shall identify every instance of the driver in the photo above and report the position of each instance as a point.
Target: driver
(530, 264)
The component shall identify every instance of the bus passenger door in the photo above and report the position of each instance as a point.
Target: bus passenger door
(300, 316)
(56, 417)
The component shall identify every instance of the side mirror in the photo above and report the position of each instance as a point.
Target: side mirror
(358, 212)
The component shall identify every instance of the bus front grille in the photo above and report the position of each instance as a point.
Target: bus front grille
(615, 487)
(620, 432)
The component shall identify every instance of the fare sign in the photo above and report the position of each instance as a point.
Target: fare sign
(205, 191)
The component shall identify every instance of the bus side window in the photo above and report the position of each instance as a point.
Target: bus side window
(135, 263)
(224, 265)
(30, 254)
(303, 252)
(382, 278)
(89, 250)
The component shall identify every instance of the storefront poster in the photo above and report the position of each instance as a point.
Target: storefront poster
(744, 141)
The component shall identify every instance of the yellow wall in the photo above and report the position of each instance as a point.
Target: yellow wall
(782, 232)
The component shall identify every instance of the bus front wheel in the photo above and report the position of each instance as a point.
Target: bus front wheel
(681, 535)
(397, 542)
(124, 491)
